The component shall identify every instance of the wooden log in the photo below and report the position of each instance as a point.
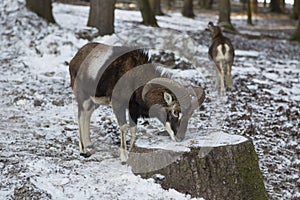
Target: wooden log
(223, 169)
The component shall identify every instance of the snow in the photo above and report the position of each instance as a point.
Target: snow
(104, 180)
(244, 53)
(193, 139)
(39, 134)
(287, 1)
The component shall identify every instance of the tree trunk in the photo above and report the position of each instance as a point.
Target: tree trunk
(249, 12)
(156, 7)
(41, 8)
(275, 6)
(265, 3)
(296, 34)
(224, 14)
(188, 9)
(228, 171)
(102, 16)
(295, 10)
(147, 13)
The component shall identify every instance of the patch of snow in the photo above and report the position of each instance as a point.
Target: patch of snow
(196, 139)
(243, 53)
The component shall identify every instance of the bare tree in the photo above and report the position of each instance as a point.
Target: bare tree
(102, 16)
(224, 14)
(296, 34)
(188, 9)
(41, 8)
(156, 7)
(147, 13)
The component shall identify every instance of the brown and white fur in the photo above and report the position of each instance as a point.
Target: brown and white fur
(221, 52)
(126, 79)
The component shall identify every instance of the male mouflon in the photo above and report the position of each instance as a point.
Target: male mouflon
(221, 52)
(125, 78)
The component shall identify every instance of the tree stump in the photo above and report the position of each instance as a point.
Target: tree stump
(215, 166)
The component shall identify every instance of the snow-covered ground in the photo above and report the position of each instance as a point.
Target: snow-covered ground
(39, 146)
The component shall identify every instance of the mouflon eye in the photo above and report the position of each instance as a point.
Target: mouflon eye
(175, 113)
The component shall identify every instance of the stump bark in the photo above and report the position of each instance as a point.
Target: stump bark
(228, 171)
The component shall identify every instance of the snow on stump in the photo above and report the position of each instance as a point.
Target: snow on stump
(212, 166)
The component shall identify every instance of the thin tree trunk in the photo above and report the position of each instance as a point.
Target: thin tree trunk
(295, 11)
(249, 12)
(188, 9)
(102, 16)
(296, 34)
(224, 14)
(147, 13)
(41, 8)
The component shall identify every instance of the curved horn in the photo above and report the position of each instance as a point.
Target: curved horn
(199, 95)
(181, 93)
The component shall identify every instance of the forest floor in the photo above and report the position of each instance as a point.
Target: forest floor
(39, 156)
